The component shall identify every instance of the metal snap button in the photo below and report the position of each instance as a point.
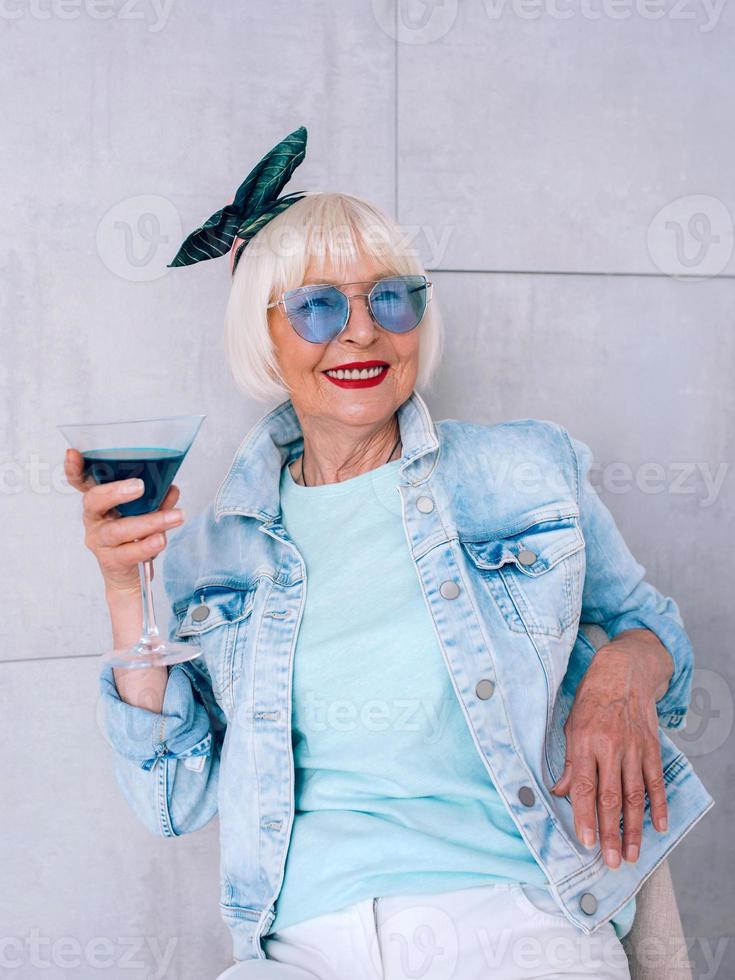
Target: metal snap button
(526, 796)
(526, 557)
(425, 505)
(200, 613)
(588, 903)
(449, 589)
(484, 689)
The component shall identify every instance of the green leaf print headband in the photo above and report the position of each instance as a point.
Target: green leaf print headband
(256, 203)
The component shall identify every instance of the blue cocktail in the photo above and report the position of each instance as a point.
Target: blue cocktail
(156, 467)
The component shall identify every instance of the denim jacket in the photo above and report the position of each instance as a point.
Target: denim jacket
(513, 549)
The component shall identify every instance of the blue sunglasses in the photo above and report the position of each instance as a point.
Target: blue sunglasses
(319, 313)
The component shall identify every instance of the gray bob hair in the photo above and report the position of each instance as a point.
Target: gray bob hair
(322, 227)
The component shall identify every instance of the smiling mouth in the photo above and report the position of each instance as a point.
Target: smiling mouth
(356, 374)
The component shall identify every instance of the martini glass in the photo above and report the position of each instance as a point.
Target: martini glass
(151, 450)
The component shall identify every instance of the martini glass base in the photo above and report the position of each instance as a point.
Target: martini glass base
(152, 652)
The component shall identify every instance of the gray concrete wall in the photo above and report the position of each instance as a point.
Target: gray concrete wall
(566, 171)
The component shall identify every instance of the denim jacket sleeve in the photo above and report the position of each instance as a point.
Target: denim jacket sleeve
(617, 597)
(167, 763)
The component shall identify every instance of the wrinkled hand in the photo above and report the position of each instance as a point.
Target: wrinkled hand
(613, 755)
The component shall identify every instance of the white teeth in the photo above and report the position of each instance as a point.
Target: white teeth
(356, 374)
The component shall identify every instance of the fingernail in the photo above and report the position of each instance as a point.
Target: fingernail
(612, 858)
(588, 837)
(130, 485)
(662, 825)
(631, 852)
(173, 516)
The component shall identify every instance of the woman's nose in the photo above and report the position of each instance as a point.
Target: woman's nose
(360, 316)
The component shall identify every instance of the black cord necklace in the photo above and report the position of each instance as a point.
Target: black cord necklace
(387, 460)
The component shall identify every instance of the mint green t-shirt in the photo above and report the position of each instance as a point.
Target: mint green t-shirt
(391, 795)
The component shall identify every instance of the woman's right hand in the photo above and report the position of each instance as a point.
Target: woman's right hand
(112, 538)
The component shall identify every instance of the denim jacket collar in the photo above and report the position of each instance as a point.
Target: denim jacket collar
(252, 484)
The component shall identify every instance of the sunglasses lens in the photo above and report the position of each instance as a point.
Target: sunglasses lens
(316, 313)
(399, 304)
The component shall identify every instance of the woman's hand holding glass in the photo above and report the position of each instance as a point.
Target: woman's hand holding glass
(120, 543)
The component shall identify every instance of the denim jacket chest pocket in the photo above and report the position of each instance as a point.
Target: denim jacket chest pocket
(217, 619)
(534, 572)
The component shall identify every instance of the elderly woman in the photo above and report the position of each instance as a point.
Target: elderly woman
(420, 764)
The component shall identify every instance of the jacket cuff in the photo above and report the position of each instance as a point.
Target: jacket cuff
(672, 707)
(181, 730)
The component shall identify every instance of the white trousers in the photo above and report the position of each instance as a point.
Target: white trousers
(503, 931)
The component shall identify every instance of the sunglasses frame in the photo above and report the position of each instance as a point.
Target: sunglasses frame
(358, 282)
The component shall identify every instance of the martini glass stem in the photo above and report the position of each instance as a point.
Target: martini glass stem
(150, 630)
